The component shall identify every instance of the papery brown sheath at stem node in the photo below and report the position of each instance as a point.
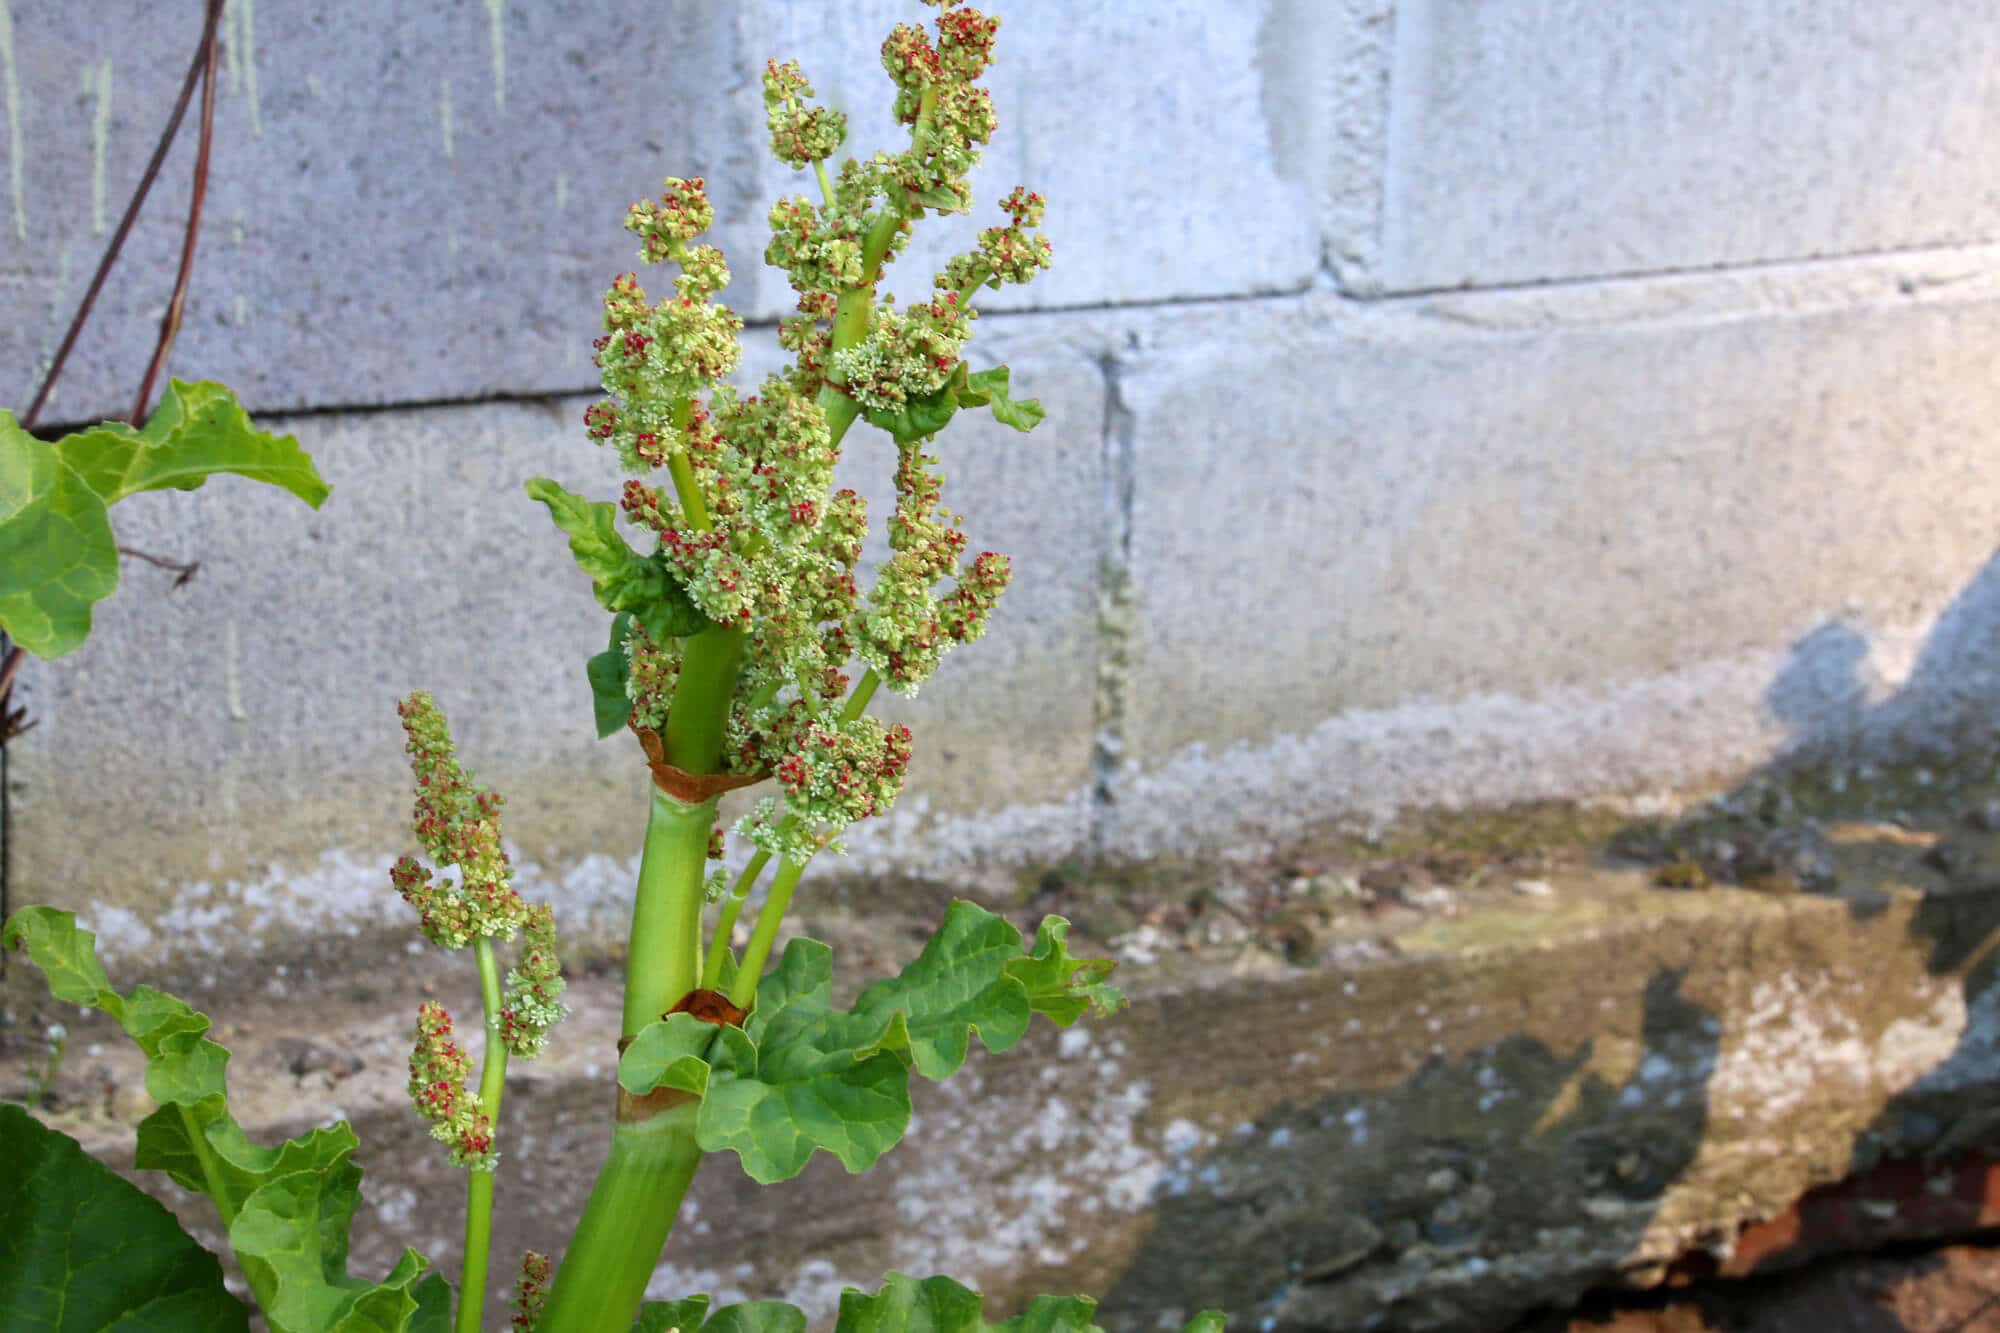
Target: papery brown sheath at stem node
(685, 787)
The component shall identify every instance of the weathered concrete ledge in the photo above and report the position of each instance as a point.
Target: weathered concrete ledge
(1449, 1113)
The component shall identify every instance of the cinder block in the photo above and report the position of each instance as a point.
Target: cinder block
(1555, 139)
(1342, 511)
(1149, 128)
(406, 204)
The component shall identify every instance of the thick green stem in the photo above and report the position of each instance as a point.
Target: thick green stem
(663, 962)
(700, 709)
(625, 1225)
(479, 1183)
(758, 951)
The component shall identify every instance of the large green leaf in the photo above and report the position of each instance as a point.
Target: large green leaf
(58, 556)
(903, 1305)
(802, 1077)
(83, 1251)
(288, 1208)
(623, 579)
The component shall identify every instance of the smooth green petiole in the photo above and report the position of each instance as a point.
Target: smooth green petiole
(758, 951)
(479, 1181)
(625, 1225)
(725, 925)
(664, 961)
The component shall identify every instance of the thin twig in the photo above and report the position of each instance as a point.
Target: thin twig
(13, 721)
(184, 570)
(202, 56)
(170, 323)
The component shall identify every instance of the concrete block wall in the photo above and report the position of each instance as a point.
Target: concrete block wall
(1448, 404)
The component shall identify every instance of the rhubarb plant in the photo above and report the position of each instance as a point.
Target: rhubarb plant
(742, 651)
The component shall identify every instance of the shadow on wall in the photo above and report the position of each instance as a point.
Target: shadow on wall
(1948, 708)
(1427, 1205)
(1514, 1176)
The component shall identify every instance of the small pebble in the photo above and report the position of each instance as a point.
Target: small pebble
(1534, 888)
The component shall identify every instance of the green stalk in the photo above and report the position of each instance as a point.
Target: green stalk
(479, 1183)
(664, 959)
(625, 1225)
(725, 925)
(700, 708)
(758, 951)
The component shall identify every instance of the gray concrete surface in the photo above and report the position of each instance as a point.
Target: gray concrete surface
(1443, 1120)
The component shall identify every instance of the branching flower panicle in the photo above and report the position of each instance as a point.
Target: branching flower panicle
(458, 822)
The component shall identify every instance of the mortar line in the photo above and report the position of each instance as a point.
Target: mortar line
(1115, 610)
(1321, 279)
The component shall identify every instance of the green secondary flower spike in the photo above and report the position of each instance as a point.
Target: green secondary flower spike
(458, 822)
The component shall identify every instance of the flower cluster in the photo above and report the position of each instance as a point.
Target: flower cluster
(733, 490)
(907, 355)
(906, 627)
(530, 1006)
(531, 1291)
(458, 823)
(438, 1068)
(800, 134)
(655, 357)
(1014, 253)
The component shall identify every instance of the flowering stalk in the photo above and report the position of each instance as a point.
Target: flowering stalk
(739, 612)
(458, 823)
(737, 623)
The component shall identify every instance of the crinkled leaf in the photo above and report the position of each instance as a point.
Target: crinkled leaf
(1208, 1321)
(660, 1316)
(943, 200)
(819, 1079)
(674, 1053)
(66, 956)
(608, 672)
(757, 1317)
(746, 1317)
(291, 1238)
(58, 556)
(918, 418)
(83, 1251)
(197, 431)
(623, 579)
(903, 1305)
(1060, 988)
(988, 388)
(287, 1207)
(940, 1305)
(775, 1107)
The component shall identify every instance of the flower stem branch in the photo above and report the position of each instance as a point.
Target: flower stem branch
(479, 1180)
